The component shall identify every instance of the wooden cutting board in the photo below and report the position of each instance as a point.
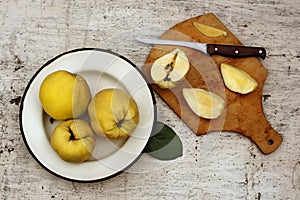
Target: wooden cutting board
(243, 113)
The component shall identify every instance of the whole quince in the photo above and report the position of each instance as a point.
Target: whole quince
(73, 140)
(113, 113)
(64, 95)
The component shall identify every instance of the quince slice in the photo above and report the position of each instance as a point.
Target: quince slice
(237, 80)
(203, 103)
(209, 31)
(167, 70)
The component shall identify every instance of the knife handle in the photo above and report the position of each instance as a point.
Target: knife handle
(236, 51)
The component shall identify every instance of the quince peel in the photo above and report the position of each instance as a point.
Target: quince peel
(209, 31)
(237, 80)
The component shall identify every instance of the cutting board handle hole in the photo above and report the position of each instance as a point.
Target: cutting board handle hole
(270, 142)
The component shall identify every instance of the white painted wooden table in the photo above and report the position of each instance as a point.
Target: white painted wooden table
(214, 166)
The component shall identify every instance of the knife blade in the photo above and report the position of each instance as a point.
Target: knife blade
(212, 49)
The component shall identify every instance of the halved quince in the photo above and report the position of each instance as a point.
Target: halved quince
(237, 80)
(209, 31)
(167, 70)
(203, 103)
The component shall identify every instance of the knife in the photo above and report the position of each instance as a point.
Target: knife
(212, 49)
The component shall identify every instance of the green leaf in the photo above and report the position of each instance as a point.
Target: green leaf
(164, 144)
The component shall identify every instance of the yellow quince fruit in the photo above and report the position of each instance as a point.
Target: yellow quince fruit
(64, 95)
(169, 69)
(203, 103)
(73, 140)
(113, 113)
(209, 31)
(237, 80)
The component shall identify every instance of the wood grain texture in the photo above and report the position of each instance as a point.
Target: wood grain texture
(214, 166)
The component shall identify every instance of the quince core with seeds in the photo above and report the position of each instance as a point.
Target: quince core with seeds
(169, 69)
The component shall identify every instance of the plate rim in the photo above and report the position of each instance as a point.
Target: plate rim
(48, 63)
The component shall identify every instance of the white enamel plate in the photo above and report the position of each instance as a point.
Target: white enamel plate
(101, 69)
